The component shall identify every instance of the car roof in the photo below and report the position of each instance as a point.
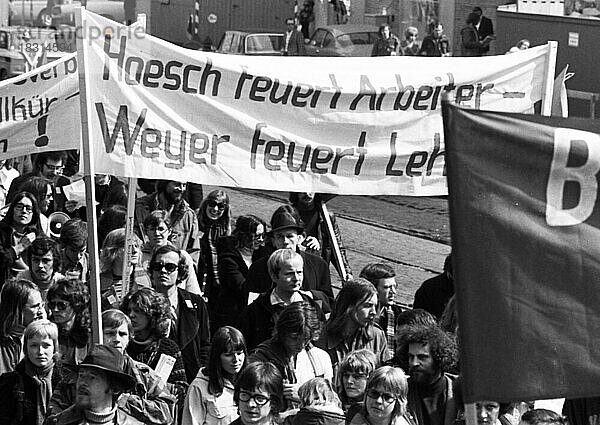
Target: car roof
(338, 30)
(253, 32)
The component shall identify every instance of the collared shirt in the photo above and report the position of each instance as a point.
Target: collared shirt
(288, 36)
(296, 297)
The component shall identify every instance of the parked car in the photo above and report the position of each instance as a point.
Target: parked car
(251, 43)
(63, 13)
(342, 40)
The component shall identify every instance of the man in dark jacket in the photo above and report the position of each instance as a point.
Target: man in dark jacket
(294, 40)
(258, 319)
(287, 232)
(434, 293)
(189, 314)
(485, 27)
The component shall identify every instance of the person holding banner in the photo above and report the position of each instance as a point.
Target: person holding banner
(318, 239)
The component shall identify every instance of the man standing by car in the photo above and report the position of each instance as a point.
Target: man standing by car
(294, 40)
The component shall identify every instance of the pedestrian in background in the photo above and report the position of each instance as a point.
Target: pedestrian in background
(387, 44)
(294, 39)
(409, 45)
(435, 44)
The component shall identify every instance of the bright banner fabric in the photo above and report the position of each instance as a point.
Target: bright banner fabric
(337, 125)
(40, 110)
(523, 194)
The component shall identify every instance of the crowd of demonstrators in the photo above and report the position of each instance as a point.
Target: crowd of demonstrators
(218, 326)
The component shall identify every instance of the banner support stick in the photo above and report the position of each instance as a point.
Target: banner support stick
(549, 78)
(470, 414)
(130, 220)
(88, 171)
(334, 242)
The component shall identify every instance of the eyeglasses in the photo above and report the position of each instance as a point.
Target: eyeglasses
(214, 204)
(386, 397)
(169, 267)
(58, 305)
(22, 207)
(258, 237)
(55, 167)
(258, 398)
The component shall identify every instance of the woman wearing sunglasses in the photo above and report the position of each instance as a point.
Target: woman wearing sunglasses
(111, 269)
(235, 255)
(19, 227)
(209, 400)
(258, 393)
(68, 304)
(214, 219)
(157, 228)
(386, 398)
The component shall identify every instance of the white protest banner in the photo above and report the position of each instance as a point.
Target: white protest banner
(39, 110)
(337, 125)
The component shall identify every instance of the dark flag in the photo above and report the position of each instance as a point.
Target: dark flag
(525, 222)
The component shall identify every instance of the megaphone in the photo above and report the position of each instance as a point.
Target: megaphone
(56, 220)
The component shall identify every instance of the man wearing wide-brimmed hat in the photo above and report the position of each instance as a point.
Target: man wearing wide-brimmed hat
(287, 231)
(99, 382)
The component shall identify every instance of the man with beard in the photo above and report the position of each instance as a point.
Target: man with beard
(149, 401)
(100, 379)
(43, 262)
(428, 354)
(184, 223)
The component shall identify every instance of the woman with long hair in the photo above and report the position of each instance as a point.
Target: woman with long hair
(351, 323)
(41, 188)
(26, 392)
(157, 228)
(19, 227)
(150, 314)
(291, 350)
(258, 392)
(210, 396)
(352, 376)
(235, 255)
(111, 269)
(69, 307)
(386, 400)
(214, 219)
(20, 304)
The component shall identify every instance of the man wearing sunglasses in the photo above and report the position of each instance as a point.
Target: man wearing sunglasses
(49, 165)
(169, 196)
(189, 314)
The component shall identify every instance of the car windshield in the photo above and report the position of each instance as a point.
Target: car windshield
(264, 43)
(357, 38)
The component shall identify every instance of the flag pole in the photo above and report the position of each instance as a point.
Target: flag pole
(130, 220)
(549, 78)
(88, 171)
